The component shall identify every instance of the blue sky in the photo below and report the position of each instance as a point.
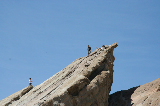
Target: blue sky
(38, 38)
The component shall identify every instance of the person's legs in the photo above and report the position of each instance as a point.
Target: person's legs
(89, 52)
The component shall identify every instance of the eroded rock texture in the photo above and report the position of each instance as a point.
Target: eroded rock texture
(147, 94)
(15, 97)
(144, 95)
(85, 82)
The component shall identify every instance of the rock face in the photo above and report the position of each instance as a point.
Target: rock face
(85, 82)
(15, 97)
(144, 95)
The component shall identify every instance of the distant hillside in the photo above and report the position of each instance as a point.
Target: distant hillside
(144, 95)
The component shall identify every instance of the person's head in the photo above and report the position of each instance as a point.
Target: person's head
(30, 78)
(88, 45)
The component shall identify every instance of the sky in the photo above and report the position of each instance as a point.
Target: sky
(38, 38)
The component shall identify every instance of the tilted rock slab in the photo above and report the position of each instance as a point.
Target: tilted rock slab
(16, 96)
(144, 95)
(147, 94)
(85, 82)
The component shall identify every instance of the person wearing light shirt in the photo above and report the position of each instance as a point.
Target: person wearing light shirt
(103, 47)
(30, 81)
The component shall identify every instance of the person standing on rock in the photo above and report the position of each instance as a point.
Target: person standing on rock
(103, 47)
(30, 81)
(89, 50)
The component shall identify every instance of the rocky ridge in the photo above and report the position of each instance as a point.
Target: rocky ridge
(144, 95)
(85, 82)
(16, 96)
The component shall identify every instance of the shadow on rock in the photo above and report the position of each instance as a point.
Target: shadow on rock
(121, 98)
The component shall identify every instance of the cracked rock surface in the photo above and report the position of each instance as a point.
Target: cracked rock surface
(86, 81)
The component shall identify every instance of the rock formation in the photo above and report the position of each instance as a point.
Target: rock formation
(85, 82)
(16, 96)
(144, 95)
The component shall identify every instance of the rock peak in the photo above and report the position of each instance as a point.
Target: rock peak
(85, 82)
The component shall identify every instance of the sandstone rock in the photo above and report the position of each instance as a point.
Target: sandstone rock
(121, 98)
(147, 94)
(15, 97)
(85, 82)
(144, 95)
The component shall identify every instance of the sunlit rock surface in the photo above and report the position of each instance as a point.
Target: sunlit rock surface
(85, 82)
(144, 95)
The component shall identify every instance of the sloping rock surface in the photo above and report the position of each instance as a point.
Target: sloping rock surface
(85, 82)
(15, 97)
(144, 95)
(147, 95)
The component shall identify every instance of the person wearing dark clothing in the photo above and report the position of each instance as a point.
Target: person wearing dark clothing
(89, 50)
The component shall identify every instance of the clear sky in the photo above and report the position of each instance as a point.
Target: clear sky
(38, 38)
